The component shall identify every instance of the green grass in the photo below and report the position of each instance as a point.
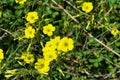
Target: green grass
(96, 50)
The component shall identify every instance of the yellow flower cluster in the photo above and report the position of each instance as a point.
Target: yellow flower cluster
(51, 51)
(20, 1)
(114, 31)
(54, 47)
(65, 44)
(50, 54)
(27, 57)
(29, 31)
(31, 17)
(87, 7)
(48, 29)
(1, 55)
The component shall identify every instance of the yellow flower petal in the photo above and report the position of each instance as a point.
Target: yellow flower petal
(20, 1)
(1, 54)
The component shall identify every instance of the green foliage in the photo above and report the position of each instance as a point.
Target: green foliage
(94, 54)
(112, 2)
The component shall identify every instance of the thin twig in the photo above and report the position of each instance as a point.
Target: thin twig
(117, 66)
(6, 31)
(75, 61)
(115, 41)
(102, 44)
(4, 35)
(65, 11)
(106, 14)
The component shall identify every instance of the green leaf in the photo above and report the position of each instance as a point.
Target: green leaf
(55, 14)
(91, 60)
(99, 59)
(112, 2)
(117, 44)
(86, 52)
(96, 64)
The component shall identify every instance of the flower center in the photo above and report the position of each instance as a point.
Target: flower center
(66, 44)
(30, 32)
(87, 7)
(32, 17)
(48, 30)
(20, 0)
(50, 56)
(29, 58)
(41, 65)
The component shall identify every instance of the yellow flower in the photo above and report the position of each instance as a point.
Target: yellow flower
(87, 7)
(27, 24)
(52, 44)
(49, 46)
(114, 31)
(32, 17)
(29, 32)
(24, 54)
(66, 44)
(27, 57)
(1, 55)
(48, 29)
(42, 66)
(50, 55)
(56, 41)
(20, 1)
